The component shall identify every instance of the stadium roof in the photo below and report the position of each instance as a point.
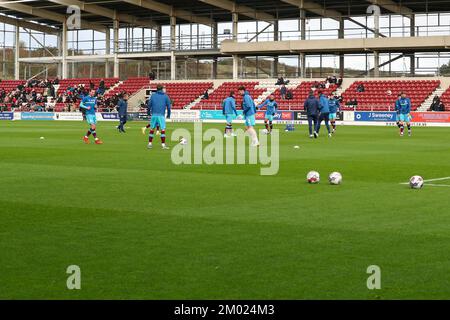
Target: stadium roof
(98, 14)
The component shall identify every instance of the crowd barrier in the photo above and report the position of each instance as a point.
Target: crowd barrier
(374, 118)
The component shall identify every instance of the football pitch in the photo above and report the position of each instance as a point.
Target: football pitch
(141, 227)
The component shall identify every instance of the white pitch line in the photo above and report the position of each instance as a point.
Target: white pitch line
(437, 179)
(433, 180)
(437, 185)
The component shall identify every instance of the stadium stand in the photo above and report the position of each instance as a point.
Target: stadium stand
(220, 93)
(380, 95)
(74, 82)
(131, 86)
(184, 93)
(300, 93)
(10, 85)
(445, 99)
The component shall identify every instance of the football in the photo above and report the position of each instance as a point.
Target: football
(416, 182)
(265, 131)
(313, 177)
(183, 141)
(335, 178)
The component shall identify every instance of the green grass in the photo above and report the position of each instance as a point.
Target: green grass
(142, 228)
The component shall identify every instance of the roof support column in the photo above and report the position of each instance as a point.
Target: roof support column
(235, 23)
(275, 59)
(116, 47)
(302, 62)
(158, 38)
(17, 53)
(215, 42)
(214, 68)
(173, 66)
(302, 24)
(341, 35)
(376, 64)
(173, 32)
(376, 23)
(108, 50)
(64, 50)
(215, 35)
(235, 67)
(412, 25)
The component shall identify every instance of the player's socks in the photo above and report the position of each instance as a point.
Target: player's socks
(266, 125)
(94, 134)
(163, 137)
(271, 126)
(88, 133)
(402, 129)
(254, 137)
(409, 130)
(147, 126)
(150, 136)
(398, 124)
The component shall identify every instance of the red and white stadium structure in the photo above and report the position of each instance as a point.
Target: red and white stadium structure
(193, 46)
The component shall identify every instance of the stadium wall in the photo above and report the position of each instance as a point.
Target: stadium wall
(353, 118)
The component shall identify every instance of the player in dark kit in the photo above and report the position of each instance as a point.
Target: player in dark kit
(311, 106)
(122, 108)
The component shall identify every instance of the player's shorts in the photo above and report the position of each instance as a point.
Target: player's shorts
(158, 121)
(91, 119)
(332, 116)
(268, 116)
(404, 118)
(229, 118)
(250, 121)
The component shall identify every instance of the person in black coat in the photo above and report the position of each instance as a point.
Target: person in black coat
(312, 106)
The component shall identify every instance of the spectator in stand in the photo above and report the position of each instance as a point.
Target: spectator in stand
(206, 95)
(152, 75)
(283, 91)
(281, 81)
(339, 82)
(435, 104)
(289, 95)
(360, 88)
(352, 102)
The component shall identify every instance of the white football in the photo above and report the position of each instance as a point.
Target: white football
(416, 182)
(183, 141)
(313, 177)
(335, 178)
(265, 131)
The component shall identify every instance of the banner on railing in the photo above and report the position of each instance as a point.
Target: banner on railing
(6, 116)
(375, 116)
(37, 116)
(279, 115)
(69, 116)
(185, 115)
(431, 117)
(303, 116)
(213, 114)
